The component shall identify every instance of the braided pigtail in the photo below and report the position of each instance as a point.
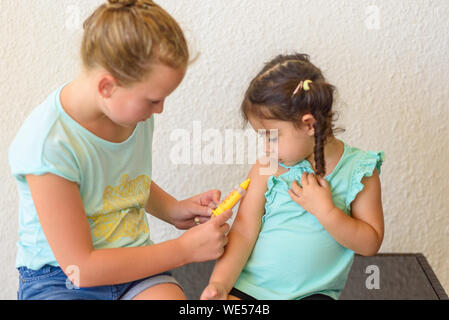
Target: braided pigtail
(319, 100)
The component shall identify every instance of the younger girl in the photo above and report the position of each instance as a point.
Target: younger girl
(82, 161)
(296, 231)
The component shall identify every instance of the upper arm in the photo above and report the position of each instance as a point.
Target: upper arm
(367, 206)
(249, 216)
(61, 213)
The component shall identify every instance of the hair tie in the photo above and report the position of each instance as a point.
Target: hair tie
(143, 4)
(302, 85)
(306, 85)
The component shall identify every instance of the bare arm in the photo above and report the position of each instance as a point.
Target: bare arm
(65, 225)
(363, 232)
(161, 204)
(181, 214)
(242, 238)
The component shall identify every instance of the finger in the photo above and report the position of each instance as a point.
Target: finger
(323, 182)
(215, 197)
(222, 218)
(200, 220)
(304, 180)
(296, 188)
(225, 241)
(201, 211)
(312, 179)
(210, 196)
(294, 196)
(197, 221)
(225, 228)
(213, 205)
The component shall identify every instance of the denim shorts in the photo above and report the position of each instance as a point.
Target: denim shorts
(51, 283)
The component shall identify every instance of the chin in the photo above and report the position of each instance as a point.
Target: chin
(128, 125)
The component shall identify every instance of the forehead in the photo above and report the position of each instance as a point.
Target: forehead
(160, 82)
(269, 124)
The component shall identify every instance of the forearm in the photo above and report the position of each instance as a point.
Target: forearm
(121, 265)
(229, 266)
(160, 204)
(352, 233)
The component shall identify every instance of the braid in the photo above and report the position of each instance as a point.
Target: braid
(321, 129)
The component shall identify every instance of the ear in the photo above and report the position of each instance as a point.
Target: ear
(308, 121)
(106, 86)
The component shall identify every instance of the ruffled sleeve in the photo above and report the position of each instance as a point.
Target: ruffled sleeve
(364, 167)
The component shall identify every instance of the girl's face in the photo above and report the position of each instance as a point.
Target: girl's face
(293, 144)
(128, 106)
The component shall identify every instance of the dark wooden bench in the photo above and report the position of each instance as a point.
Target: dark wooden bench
(382, 277)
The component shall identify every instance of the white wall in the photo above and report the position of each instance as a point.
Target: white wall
(388, 59)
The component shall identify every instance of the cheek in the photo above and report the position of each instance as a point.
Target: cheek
(290, 148)
(126, 109)
(118, 109)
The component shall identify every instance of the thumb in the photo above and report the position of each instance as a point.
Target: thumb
(222, 218)
(323, 182)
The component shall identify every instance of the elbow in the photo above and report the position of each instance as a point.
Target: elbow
(372, 244)
(80, 274)
(371, 250)
(77, 276)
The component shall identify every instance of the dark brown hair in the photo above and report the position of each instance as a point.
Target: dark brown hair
(271, 95)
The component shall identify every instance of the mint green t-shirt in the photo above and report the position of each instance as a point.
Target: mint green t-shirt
(294, 256)
(113, 179)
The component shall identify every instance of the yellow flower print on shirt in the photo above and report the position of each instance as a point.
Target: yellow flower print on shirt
(123, 212)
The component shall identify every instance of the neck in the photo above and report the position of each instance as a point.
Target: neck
(333, 150)
(80, 99)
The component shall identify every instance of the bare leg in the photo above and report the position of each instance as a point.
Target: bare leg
(163, 291)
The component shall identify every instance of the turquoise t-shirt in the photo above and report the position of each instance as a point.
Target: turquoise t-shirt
(113, 179)
(294, 256)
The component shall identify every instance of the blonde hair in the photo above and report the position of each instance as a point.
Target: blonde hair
(126, 37)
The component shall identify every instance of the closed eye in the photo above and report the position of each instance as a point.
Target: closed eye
(154, 102)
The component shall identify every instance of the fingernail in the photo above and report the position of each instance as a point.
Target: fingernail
(212, 205)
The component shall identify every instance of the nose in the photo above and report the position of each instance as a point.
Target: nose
(271, 148)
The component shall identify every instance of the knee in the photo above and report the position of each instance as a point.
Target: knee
(163, 291)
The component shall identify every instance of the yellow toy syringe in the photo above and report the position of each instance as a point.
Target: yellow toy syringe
(232, 199)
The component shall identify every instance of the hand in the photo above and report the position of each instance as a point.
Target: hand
(199, 206)
(315, 195)
(214, 291)
(207, 241)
